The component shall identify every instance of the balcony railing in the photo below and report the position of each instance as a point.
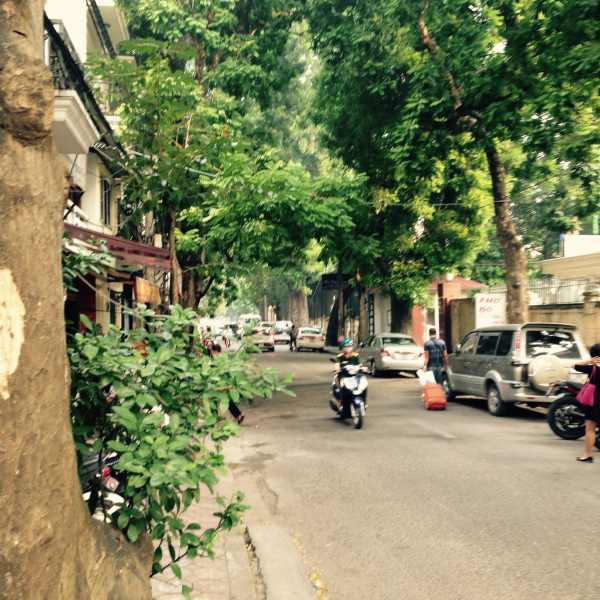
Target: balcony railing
(67, 74)
(101, 28)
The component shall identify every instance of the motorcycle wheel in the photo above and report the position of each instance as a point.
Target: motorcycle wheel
(565, 418)
(357, 417)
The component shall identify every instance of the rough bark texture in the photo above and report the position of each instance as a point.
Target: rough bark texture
(517, 300)
(298, 308)
(49, 546)
(363, 320)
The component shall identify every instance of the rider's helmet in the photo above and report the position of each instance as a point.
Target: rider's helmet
(347, 343)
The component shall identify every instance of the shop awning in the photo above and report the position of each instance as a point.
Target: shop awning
(130, 253)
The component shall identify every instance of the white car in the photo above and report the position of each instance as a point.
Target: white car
(391, 352)
(285, 325)
(310, 338)
(282, 336)
(266, 325)
(262, 338)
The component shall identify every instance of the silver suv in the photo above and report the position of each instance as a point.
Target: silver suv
(510, 364)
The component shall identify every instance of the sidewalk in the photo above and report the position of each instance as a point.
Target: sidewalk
(228, 576)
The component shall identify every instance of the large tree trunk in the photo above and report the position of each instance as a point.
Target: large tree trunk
(189, 289)
(50, 548)
(298, 304)
(517, 298)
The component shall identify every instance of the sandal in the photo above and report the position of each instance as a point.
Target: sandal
(240, 419)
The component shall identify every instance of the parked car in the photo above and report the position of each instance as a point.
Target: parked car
(285, 325)
(262, 338)
(282, 336)
(512, 364)
(391, 352)
(266, 325)
(310, 338)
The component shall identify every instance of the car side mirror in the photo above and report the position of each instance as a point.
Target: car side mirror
(457, 349)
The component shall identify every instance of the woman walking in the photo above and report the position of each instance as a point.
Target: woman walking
(592, 413)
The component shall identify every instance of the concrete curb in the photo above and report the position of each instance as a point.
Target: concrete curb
(279, 563)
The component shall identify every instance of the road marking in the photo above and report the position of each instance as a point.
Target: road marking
(432, 429)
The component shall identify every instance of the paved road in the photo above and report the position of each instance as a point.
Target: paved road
(420, 505)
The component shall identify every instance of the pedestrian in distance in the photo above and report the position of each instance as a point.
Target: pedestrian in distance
(435, 355)
(592, 413)
(293, 337)
(236, 413)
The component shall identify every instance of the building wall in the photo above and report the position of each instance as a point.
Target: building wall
(462, 316)
(73, 14)
(585, 316)
(383, 313)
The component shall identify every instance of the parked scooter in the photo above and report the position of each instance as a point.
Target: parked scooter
(102, 485)
(565, 415)
(349, 393)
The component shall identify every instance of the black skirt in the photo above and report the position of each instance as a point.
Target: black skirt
(592, 413)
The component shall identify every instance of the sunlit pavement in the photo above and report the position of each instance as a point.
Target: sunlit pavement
(421, 505)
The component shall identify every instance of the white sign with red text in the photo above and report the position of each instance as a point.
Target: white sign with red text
(490, 309)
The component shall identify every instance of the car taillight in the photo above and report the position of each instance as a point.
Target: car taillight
(105, 473)
(517, 341)
(384, 352)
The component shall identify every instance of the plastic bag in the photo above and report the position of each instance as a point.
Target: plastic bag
(426, 377)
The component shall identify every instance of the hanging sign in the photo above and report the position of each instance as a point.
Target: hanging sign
(490, 310)
(146, 292)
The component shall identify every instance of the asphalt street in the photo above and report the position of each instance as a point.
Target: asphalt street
(421, 505)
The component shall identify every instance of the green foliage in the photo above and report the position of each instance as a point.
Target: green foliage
(512, 75)
(79, 262)
(166, 423)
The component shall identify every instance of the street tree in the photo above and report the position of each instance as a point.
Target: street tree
(50, 547)
(451, 85)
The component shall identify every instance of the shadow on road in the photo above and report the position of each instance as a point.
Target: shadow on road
(518, 412)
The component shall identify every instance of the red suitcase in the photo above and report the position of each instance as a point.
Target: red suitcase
(434, 397)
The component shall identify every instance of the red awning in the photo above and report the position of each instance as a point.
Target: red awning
(134, 253)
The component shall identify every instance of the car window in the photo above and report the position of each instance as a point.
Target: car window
(468, 345)
(487, 343)
(559, 342)
(397, 341)
(505, 343)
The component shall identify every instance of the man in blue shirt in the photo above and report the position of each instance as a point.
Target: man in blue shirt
(436, 355)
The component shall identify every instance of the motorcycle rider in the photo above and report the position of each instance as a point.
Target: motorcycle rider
(345, 358)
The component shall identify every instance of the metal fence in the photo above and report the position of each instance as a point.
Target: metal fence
(551, 291)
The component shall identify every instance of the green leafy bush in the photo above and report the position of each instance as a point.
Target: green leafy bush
(164, 417)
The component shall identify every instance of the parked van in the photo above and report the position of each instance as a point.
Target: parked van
(512, 364)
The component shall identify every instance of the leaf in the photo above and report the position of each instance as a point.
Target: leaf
(90, 351)
(122, 520)
(164, 354)
(176, 570)
(133, 531)
(186, 591)
(117, 446)
(86, 322)
(125, 417)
